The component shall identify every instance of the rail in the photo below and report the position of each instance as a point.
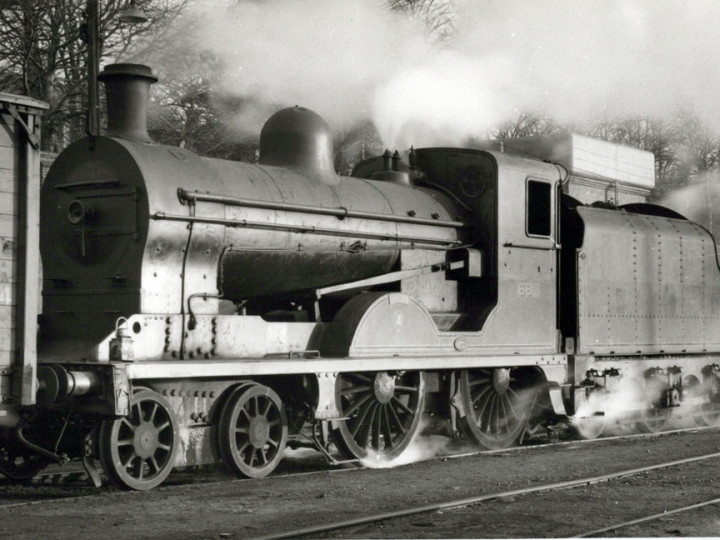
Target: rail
(651, 517)
(434, 507)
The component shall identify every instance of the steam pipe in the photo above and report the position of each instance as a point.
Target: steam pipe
(341, 213)
(61, 459)
(240, 223)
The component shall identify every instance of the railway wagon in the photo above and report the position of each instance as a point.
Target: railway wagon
(20, 125)
(199, 310)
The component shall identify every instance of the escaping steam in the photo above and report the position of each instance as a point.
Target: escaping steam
(698, 202)
(574, 60)
(629, 400)
(424, 445)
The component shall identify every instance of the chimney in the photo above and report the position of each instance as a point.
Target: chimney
(127, 87)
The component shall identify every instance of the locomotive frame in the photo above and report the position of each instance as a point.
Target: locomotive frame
(198, 310)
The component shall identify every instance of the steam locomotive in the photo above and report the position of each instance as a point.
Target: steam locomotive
(197, 310)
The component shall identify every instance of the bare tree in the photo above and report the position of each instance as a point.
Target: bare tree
(355, 144)
(527, 124)
(43, 54)
(439, 16)
(646, 133)
(698, 146)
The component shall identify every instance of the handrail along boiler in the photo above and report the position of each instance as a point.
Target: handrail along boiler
(198, 309)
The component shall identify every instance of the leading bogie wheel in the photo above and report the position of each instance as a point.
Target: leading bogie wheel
(138, 451)
(253, 431)
(497, 404)
(382, 412)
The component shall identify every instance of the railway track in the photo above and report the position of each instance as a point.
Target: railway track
(248, 501)
(645, 519)
(509, 494)
(74, 472)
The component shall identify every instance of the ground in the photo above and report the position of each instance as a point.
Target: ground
(207, 504)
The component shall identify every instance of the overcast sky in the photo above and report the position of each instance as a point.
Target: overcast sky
(576, 59)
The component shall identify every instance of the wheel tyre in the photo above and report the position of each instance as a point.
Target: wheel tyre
(253, 431)
(138, 452)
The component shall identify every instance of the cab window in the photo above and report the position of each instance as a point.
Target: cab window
(539, 208)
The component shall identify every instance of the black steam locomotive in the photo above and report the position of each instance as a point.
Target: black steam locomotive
(197, 310)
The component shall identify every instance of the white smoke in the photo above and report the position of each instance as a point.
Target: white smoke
(423, 446)
(574, 59)
(699, 202)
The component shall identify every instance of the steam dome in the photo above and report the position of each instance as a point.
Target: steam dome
(299, 139)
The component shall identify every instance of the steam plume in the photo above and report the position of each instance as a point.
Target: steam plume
(574, 59)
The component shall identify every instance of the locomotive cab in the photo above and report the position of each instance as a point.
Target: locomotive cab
(510, 205)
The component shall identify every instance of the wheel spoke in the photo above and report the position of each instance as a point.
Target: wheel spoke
(406, 389)
(480, 380)
(267, 408)
(491, 414)
(402, 406)
(355, 406)
(479, 414)
(387, 432)
(364, 432)
(354, 390)
(242, 448)
(396, 419)
(359, 377)
(377, 420)
(512, 409)
(482, 393)
(502, 414)
(153, 413)
(127, 463)
(360, 418)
